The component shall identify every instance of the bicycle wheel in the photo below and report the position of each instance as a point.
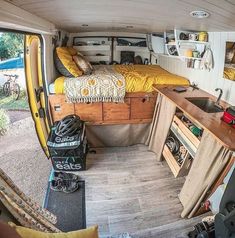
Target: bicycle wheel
(6, 89)
(15, 91)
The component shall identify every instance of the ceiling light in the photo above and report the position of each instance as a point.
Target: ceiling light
(199, 14)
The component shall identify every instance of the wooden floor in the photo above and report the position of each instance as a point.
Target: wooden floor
(127, 190)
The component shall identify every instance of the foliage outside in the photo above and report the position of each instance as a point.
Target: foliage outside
(8, 103)
(11, 45)
(4, 122)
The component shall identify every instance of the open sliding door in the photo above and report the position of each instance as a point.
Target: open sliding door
(36, 92)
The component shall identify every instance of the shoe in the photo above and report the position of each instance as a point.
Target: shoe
(65, 176)
(70, 186)
(57, 185)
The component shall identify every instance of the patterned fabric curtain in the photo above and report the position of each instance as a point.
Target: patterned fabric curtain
(28, 213)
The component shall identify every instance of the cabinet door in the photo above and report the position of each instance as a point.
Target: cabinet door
(59, 107)
(142, 107)
(117, 111)
(90, 112)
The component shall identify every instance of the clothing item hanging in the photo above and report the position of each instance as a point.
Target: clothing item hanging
(207, 61)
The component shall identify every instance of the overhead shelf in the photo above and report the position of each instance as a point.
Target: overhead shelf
(132, 48)
(193, 42)
(93, 47)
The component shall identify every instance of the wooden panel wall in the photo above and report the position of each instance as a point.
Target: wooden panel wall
(207, 81)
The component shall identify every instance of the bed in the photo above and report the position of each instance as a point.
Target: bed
(138, 103)
(138, 78)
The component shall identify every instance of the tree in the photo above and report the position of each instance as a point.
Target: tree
(11, 45)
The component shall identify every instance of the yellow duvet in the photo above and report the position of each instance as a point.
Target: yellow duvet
(139, 78)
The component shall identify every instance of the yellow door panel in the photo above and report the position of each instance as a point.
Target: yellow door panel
(34, 82)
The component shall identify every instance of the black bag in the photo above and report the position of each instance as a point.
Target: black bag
(68, 153)
(127, 57)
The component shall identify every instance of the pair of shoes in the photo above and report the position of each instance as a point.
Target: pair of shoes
(65, 176)
(64, 182)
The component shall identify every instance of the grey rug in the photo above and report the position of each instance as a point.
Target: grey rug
(70, 209)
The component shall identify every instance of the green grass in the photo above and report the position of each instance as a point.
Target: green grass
(8, 103)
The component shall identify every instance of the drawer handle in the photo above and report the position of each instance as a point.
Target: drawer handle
(57, 108)
(88, 102)
(143, 100)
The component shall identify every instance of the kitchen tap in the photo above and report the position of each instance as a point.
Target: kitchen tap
(219, 97)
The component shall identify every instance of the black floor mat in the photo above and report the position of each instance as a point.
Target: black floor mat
(70, 209)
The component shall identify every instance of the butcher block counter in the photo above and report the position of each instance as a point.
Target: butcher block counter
(193, 142)
(208, 121)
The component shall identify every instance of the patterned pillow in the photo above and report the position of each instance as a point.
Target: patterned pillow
(64, 62)
(83, 64)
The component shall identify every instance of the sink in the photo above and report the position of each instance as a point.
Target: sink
(206, 104)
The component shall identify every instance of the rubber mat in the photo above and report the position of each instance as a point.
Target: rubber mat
(70, 209)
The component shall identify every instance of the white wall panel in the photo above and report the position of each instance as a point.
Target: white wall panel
(207, 81)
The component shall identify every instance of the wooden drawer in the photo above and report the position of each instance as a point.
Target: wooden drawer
(91, 112)
(59, 107)
(116, 111)
(142, 107)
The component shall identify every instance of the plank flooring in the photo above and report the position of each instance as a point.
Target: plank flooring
(127, 190)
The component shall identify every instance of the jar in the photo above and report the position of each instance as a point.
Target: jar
(203, 36)
(189, 53)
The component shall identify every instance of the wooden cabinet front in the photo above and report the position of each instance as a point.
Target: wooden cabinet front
(89, 112)
(142, 107)
(59, 107)
(117, 111)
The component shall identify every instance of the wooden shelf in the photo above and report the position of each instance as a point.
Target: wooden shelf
(184, 140)
(170, 159)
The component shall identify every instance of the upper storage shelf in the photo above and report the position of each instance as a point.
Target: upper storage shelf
(189, 46)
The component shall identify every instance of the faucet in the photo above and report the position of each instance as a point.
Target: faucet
(219, 97)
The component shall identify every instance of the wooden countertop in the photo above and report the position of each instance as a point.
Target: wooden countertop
(208, 121)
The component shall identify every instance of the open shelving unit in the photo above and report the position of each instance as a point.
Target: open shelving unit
(94, 49)
(175, 47)
(188, 141)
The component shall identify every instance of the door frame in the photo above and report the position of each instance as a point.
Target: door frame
(42, 123)
(42, 75)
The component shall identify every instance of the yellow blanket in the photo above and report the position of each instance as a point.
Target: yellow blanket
(229, 73)
(139, 78)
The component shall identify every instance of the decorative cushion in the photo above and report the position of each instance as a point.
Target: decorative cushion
(83, 64)
(7, 231)
(64, 62)
(91, 232)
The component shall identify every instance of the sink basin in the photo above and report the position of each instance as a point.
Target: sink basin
(206, 104)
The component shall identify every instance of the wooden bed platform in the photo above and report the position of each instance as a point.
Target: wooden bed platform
(137, 108)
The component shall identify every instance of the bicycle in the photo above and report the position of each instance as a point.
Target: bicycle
(11, 88)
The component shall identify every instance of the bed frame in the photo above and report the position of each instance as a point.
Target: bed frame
(137, 108)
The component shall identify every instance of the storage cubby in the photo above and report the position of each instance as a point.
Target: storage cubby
(179, 44)
(181, 144)
(177, 155)
(94, 49)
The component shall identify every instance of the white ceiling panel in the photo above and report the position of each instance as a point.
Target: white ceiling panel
(143, 15)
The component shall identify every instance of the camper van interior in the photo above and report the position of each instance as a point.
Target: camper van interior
(133, 104)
